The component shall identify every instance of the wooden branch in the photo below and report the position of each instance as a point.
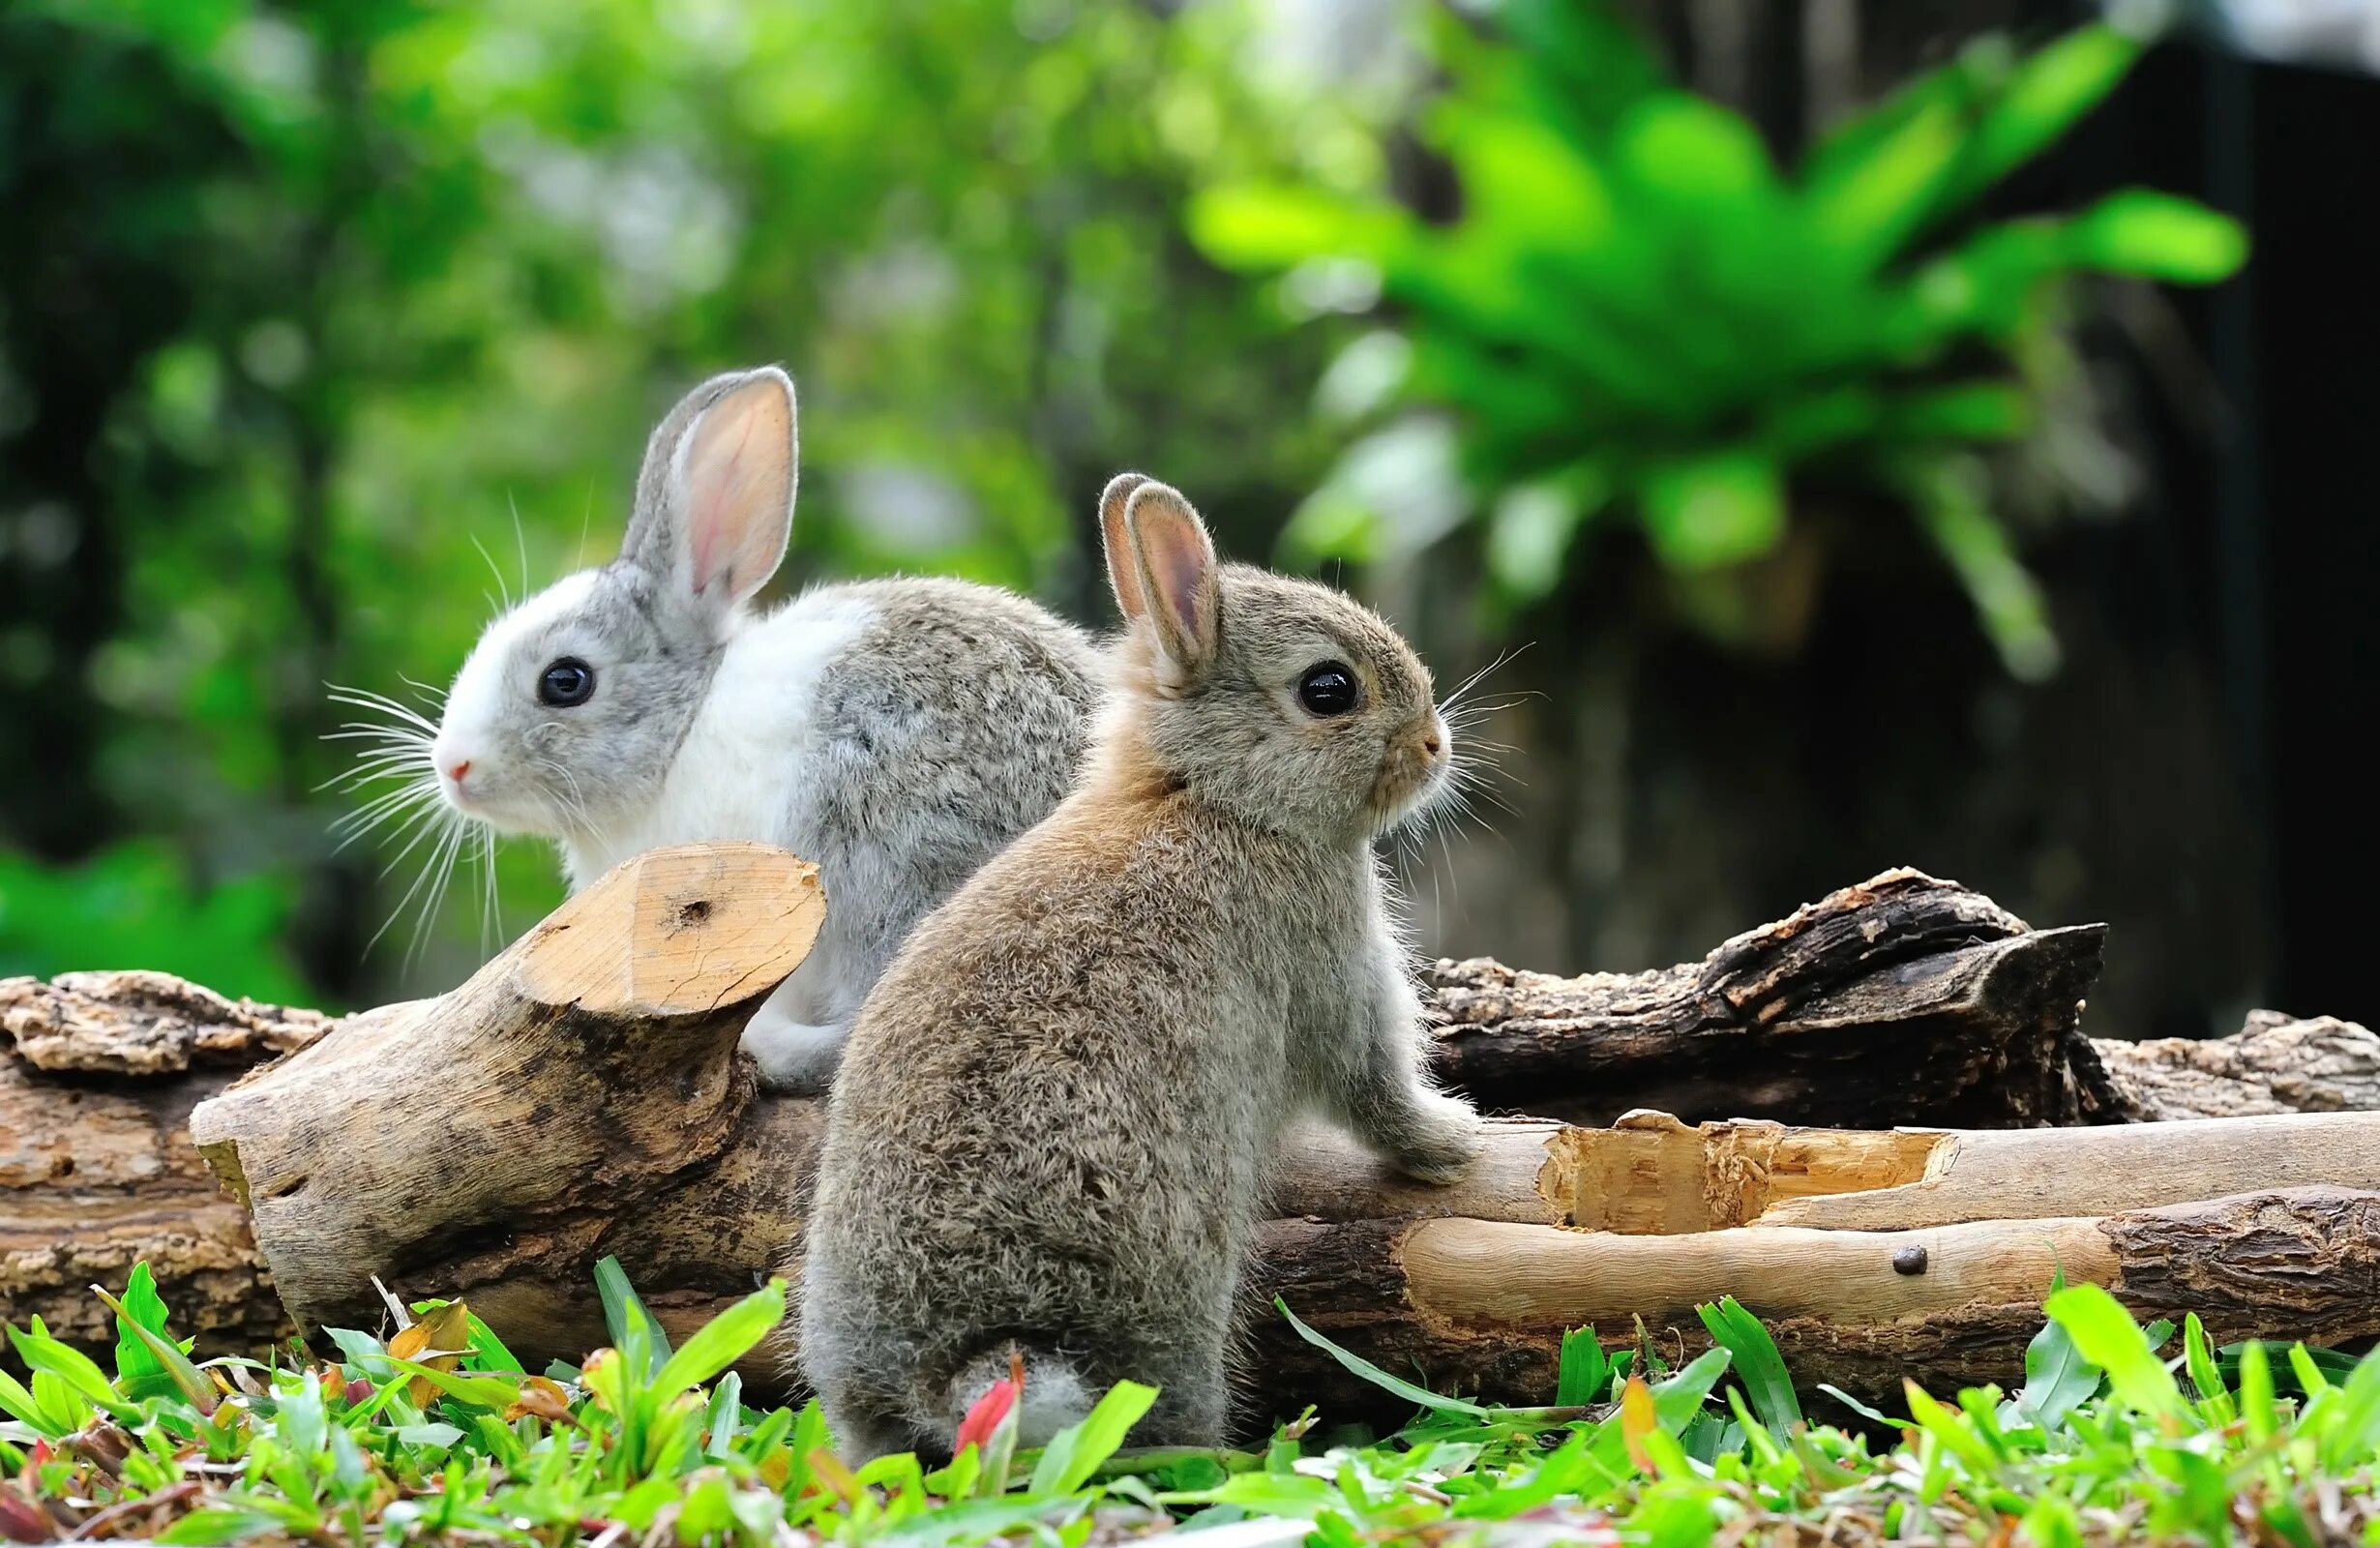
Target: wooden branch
(1903, 999)
(2273, 1064)
(579, 1084)
(1482, 1306)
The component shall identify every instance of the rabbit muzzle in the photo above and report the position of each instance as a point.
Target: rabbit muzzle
(1413, 770)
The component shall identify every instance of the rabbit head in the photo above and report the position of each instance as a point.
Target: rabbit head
(573, 704)
(1281, 701)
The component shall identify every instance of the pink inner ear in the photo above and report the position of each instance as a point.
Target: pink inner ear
(1172, 544)
(738, 489)
(1181, 565)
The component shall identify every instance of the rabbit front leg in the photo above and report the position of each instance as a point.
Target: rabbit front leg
(1427, 1134)
(796, 1058)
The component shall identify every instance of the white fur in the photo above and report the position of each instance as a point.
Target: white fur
(482, 699)
(748, 740)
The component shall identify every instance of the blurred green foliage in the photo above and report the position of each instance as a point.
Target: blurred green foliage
(314, 313)
(1635, 312)
(318, 299)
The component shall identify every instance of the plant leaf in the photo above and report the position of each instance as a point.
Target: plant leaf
(722, 1341)
(2158, 236)
(1757, 1364)
(1078, 1451)
(437, 1339)
(1715, 510)
(1421, 1396)
(172, 1365)
(625, 1315)
(2108, 1337)
(1585, 1374)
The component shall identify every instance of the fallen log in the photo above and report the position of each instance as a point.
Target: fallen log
(582, 1095)
(2273, 1064)
(1478, 1305)
(1902, 999)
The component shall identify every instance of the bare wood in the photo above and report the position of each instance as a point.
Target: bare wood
(1902, 999)
(1651, 1174)
(2010, 1176)
(1480, 1307)
(2273, 1064)
(500, 1130)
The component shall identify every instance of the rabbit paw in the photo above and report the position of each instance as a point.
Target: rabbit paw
(795, 1058)
(1441, 1141)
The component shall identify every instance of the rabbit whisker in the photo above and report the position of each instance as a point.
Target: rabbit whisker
(520, 543)
(424, 822)
(372, 813)
(442, 864)
(502, 587)
(429, 823)
(359, 699)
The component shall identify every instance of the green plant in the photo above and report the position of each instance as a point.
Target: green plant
(1635, 311)
(436, 1434)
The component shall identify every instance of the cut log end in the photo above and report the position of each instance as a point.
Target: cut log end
(676, 933)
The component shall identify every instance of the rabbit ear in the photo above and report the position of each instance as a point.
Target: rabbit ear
(1174, 570)
(1122, 568)
(715, 502)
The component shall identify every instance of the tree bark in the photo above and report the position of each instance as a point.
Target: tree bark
(584, 1095)
(2274, 1064)
(98, 1076)
(1903, 999)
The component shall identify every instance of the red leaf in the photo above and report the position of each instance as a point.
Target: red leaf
(985, 1417)
(25, 1520)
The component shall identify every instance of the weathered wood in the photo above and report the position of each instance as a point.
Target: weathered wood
(1652, 1174)
(2273, 1064)
(582, 1095)
(569, 1093)
(98, 1076)
(1902, 999)
(1480, 1306)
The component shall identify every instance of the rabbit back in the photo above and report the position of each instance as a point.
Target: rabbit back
(1049, 1124)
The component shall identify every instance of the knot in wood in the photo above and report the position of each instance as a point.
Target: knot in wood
(1909, 1261)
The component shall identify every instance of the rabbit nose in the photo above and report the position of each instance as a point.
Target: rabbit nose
(458, 770)
(1429, 743)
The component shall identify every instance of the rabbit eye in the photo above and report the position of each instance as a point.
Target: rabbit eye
(567, 681)
(1329, 688)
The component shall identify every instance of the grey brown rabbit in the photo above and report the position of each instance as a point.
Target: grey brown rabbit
(1055, 1111)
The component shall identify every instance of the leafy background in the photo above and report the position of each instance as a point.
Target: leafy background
(1829, 448)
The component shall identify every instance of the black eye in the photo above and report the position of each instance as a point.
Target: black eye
(1329, 688)
(567, 682)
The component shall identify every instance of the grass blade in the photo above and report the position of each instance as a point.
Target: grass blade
(722, 1341)
(1421, 1396)
(1758, 1366)
(626, 1316)
(1586, 1372)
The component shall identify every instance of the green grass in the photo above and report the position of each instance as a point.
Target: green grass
(437, 1434)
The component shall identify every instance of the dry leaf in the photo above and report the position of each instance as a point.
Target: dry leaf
(541, 1397)
(437, 1340)
(1637, 1421)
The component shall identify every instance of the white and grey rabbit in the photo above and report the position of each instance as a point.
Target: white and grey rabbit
(898, 732)
(1054, 1116)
